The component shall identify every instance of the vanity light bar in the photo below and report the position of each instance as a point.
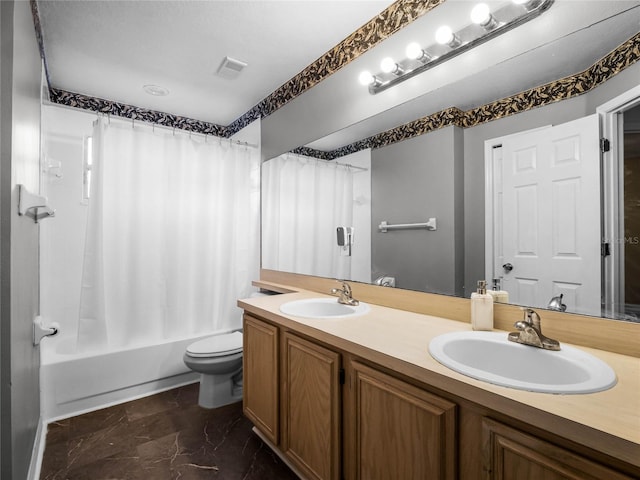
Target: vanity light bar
(490, 25)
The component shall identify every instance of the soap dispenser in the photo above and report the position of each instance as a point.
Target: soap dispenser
(499, 296)
(481, 308)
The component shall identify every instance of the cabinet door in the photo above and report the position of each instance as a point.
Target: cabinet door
(398, 430)
(510, 454)
(311, 407)
(261, 376)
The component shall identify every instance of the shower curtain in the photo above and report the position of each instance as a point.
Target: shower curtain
(304, 200)
(172, 236)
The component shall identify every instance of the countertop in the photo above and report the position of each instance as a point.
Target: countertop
(607, 421)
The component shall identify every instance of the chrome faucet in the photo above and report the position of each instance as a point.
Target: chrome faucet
(345, 295)
(530, 332)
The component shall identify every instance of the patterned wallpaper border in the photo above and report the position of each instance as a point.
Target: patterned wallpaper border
(107, 107)
(395, 17)
(35, 14)
(572, 86)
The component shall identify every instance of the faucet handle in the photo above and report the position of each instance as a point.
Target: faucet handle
(529, 316)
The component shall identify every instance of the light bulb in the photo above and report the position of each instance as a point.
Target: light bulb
(480, 14)
(387, 65)
(414, 51)
(444, 35)
(365, 78)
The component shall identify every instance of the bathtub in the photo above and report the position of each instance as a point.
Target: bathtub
(74, 383)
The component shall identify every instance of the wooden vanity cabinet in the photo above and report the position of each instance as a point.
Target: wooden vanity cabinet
(510, 454)
(292, 394)
(334, 415)
(396, 430)
(311, 407)
(261, 376)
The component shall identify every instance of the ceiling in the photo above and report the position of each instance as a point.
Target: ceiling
(110, 49)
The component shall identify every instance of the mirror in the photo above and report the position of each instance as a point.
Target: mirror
(437, 174)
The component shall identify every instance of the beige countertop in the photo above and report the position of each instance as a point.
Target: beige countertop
(607, 421)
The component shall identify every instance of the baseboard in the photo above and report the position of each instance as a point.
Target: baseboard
(38, 450)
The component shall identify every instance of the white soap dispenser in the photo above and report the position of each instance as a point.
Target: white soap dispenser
(481, 308)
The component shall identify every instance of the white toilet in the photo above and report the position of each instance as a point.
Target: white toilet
(218, 359)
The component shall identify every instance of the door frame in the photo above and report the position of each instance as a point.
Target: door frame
(612, 168)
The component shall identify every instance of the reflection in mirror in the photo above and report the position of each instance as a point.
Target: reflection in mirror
(631, 218)
(306, 202)
(544, 215)
(434, 167)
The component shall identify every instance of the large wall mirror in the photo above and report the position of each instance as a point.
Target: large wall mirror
(400, 188)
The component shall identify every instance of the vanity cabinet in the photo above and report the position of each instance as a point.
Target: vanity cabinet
(261, 376)
(397, 430)
(292, 394)
(510, 454)
(311, 402)
(333, 413)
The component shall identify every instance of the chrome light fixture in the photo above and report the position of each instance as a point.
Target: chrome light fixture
(484, 26)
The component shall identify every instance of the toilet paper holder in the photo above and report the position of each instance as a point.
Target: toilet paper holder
(40, 331)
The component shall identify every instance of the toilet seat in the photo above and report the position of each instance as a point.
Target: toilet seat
(216, 346)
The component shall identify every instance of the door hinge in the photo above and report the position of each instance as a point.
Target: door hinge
(341, 376)
(605, 251)
(605, 145)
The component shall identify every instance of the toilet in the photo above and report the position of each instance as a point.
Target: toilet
(218, 359)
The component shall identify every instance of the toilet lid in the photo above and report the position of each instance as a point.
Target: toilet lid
(216, 346)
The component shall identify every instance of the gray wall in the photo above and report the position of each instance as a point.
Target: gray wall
(19, 157)
(474, 138)
(411, 181)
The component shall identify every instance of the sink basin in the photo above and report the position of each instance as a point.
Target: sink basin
(322, 308)
(490, 357)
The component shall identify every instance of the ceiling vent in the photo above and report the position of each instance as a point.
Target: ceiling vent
(230, 68)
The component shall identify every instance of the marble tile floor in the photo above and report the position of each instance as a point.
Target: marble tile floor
(164, 436)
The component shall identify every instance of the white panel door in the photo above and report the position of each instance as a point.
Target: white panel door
(551, 216)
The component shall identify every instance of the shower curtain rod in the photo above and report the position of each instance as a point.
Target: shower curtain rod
(173, 129)
(348, 165)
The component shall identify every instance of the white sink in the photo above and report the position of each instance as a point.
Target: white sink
(322, 308)
(490, 357)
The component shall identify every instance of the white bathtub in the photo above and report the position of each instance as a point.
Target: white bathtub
(74, 383)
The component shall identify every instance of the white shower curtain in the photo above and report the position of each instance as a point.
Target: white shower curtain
(172, 237)
(304, 201)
